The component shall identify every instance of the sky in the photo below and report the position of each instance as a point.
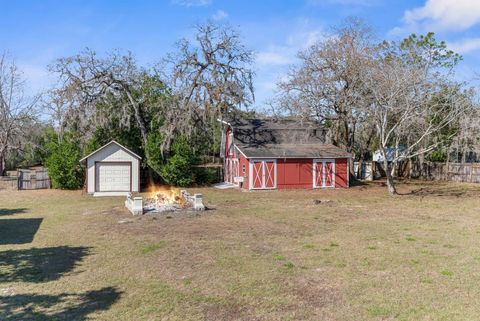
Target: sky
(35, 33)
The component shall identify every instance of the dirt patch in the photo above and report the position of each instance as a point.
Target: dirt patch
(229, 311)
(315, 293)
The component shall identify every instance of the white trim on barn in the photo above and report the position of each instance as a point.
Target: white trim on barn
(112, 170)
(265, 174)
(241, 151)
(324, 162)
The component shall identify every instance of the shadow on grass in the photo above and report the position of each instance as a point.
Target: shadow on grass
(428, 191)
(11, 211)
(18, 230)
(64, 306)
(354, 182)
(440, 189)
(39, 264)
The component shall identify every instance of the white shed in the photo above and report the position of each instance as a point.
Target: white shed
(112, 170)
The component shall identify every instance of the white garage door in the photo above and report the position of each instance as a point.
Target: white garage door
(112, 177)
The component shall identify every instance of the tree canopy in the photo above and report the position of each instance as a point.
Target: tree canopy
(371, 94)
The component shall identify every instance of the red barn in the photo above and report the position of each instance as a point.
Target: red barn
(281, 154)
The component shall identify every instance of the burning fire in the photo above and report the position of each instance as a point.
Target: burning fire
(162, 199)
(165, 195)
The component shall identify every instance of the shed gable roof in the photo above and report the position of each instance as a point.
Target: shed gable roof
(108, 144)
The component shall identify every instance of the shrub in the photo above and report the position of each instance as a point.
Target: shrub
(62, 163)
(206, 175)
(178, 169)
(153, 152)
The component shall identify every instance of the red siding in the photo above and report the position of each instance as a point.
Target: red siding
(232, 153)
(294, 173)
(298, 173)
(228, 144)
(341, 173)
(241, 162)
(229, 153)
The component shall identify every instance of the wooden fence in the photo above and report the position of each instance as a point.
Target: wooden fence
(33, 179)
(457, 172)
(8, 182)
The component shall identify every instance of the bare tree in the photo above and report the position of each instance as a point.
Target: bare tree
(328, 84)
(467, 140)
(87, 79)
(405, 111)
(17, 109)
(200, 81)
(208, 77)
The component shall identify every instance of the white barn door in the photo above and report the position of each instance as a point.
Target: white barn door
(264, 174)
(323, 173)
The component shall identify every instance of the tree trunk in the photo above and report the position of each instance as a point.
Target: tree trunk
(421, 159)
(351, 168)
(137, 113)
(143, 131)
(410, 168)
(2, 165)
(360, 167)
(390, 182)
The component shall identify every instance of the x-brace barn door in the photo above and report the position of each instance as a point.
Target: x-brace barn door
(323, 173)
(264, 174)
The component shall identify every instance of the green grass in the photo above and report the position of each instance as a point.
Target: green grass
(447, 273)
(153, 247)
(279, 257)
(259, 256)
(379, 311)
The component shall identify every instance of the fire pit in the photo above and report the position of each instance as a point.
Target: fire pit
(164, 199)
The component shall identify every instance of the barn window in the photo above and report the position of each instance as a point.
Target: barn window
(244, 169)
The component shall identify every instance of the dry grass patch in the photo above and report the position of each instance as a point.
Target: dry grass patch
(281, 255)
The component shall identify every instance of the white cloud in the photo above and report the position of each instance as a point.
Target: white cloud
(441, 15)
(192, 3)
(275, 53)
(465, 46)
(275, 56)
(285, 54)
(220, 15)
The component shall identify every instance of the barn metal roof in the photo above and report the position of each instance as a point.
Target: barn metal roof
(283, 138)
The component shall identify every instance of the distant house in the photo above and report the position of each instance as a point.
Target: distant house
(390, 154)
(281, 154)
(111, 170)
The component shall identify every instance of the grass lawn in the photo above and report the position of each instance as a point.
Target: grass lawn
(258, 256)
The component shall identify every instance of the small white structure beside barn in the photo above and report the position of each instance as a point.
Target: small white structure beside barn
(112, 170)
